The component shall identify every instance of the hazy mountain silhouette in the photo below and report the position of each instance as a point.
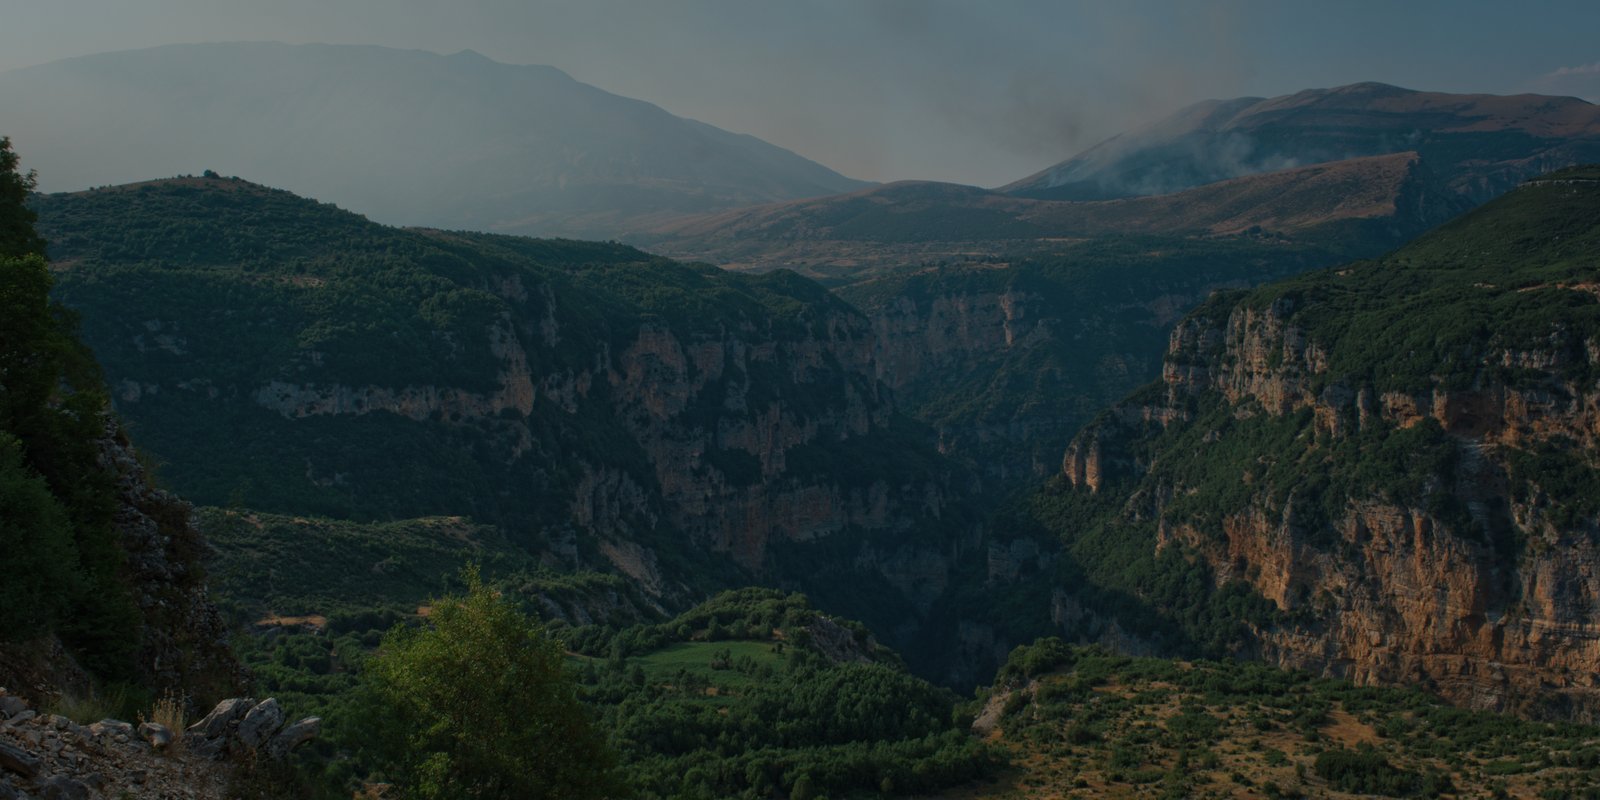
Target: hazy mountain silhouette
(405, 136)
(1480, 144)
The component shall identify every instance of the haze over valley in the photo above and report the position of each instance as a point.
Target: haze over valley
(1090, 414)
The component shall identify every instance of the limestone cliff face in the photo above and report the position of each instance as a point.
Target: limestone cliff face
(183, 642)
(914, 338)
(677, 422)
(1385, 591)
(721, 438)
(946, 355)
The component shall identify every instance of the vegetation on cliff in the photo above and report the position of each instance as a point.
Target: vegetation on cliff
(691, 428)
(57, 499)
(477, 703)
(1332, 441)
(1085, 722)
(750, 692)
(1006, 360)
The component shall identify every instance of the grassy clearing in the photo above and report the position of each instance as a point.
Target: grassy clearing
(698, 658)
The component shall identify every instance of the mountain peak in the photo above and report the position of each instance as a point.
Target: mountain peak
(407, 136)
(1506, 138)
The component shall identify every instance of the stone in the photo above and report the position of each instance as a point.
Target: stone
(110, 727)
(260, 724)
(11, 705)
(293, 736)
(23, 716)
(61, 787)
(215, 725)
(17, 760)
(159, 736)
(8, 792)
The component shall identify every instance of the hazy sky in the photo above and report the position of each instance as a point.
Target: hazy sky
(981, 92)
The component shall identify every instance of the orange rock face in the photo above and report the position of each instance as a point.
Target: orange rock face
(1387, 593)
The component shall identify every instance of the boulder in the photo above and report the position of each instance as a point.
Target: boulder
(17, 760)
(259, 725)
(216, 724)
(11, 705)
(61, 787)
(110, 727)
(159, 736)
(293, 736)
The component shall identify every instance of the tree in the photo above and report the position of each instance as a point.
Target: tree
(37, 542)
(17, 236)
(56, 500)
(478, 704)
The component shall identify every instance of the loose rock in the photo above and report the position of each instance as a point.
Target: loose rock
(159, 736)
(260, 724)
(60, 787)
(293, 736)
(18, 760)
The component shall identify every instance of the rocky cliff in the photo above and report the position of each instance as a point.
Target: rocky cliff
(681, 425)
(1399, 456)
(178, 642)
(1007, 361)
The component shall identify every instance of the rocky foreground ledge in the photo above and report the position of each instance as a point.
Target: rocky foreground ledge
(50, 757)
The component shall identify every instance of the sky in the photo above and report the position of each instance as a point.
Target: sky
(981, 92)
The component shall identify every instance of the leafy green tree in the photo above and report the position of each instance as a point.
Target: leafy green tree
(17, 236)
(37, 542)
(56, 521)
(478, 704)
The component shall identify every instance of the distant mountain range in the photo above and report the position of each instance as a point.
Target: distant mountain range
(1368, 204)
(1368, 166)
(1482, 144)
(407, 137)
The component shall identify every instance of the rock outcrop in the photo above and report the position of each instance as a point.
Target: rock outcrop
(682, 424)
(1007, 361)
(183, 643)
(240, 727)
(1434, 528)
(50, 756)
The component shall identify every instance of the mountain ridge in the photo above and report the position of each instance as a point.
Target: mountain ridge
(1364, 203)
(1221, 139)
(1396, 454)
(682, 425)
(409, 136)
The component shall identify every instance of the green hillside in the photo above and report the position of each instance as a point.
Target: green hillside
(749, 693)
(102, 580)
(626, 411)
(1082, 722)
(1274, 484)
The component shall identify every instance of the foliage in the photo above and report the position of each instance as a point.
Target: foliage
(17, 235)
(730, 697)
(1087, 323)
(56, 521)
(1366, 772)
(1505, 278)
(1110, 720)
(278, 354)
(734, 699)
(478, 704)
(37, 540)
(1500, 298)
